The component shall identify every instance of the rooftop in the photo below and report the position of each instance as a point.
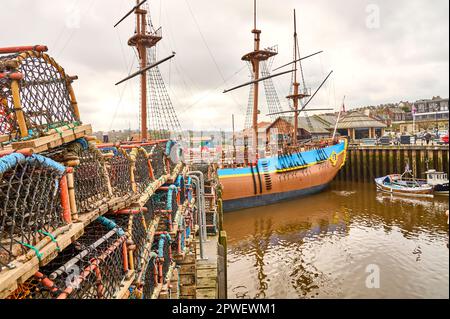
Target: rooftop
(359, 120)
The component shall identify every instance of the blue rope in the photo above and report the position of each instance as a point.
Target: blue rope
(84, 143)
(161, 246)
(9, 161)
(172, 189)
(47, 162)
(110, 225)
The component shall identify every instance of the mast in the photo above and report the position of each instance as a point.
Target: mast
(143, 40)
(296, 84)
(254, 58)
(296, 96)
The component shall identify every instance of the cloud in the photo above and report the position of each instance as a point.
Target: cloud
(405, 58)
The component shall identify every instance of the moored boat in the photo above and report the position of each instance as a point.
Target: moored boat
(281, 177)
(397, 184)
(438, 180)
(296, 168)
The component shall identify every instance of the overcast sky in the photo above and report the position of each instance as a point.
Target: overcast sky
(381, 51)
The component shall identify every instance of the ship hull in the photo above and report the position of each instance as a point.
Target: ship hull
(277, 179)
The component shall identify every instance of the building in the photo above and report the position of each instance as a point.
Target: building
(357, 125)
(431, 114)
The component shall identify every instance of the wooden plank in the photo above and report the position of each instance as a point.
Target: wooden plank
(209, 272)
(187, 269)
(124, 291)
(221, 272)
(207, 282)
(187, 279)
(206, 293)
(189, 290)
(55, 139)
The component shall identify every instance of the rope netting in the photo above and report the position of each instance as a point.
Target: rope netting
(143, 173)
(118, 167)
(134, 224)
(150, 278)
(90, 176)
(30, 203)
(93, 267)
(163, 246)
(158, 160)
(45, 95)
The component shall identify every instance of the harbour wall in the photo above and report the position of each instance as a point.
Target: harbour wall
(365, 163)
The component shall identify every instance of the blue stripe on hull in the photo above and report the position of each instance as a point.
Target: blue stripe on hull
(267, 199)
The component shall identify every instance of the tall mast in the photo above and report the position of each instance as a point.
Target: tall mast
(296, 96)
(143, 40)
(255, 57)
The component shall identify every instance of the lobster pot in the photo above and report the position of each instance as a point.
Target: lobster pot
(30, 202)
(119, 173)
(90, 177)
(93, 267)
(42, 100)
(134, 224)
(163, 246)
(172, 202)
(155, 205)
(150, 278)
(180, 183)
(142, 173)
(158, 160)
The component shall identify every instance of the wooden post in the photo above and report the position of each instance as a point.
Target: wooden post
(440, 166)
(430, 158)
(391, 161)
(358, 164)
(71, 189)
(353, 156)
(364, 165)
(18, 109)
(223, 243)
(377, 163)
(398, 160)
(414, 163)
(73, 101)
(370, 161)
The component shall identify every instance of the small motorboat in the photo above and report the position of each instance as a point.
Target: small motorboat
(438, 180)
(397, 184)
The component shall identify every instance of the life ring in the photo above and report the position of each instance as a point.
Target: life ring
(333, 158)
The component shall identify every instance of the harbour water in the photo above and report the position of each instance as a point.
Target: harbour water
(331, 245)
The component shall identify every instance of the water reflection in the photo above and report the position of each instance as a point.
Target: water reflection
(319, 246)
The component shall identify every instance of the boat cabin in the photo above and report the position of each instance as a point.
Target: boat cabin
(436, 178)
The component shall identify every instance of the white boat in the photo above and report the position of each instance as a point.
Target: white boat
(438, 180)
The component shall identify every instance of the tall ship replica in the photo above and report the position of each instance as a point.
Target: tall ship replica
(292, 167)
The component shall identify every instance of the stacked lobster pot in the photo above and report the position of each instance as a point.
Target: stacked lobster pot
(79, 219)
(34, 204)
(93, 267)
(173, 228)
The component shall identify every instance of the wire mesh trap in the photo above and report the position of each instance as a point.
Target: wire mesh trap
(93, 267)
(90, 176)
(30, 203)
(118, 167)
(143, 173)
(36, 97)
